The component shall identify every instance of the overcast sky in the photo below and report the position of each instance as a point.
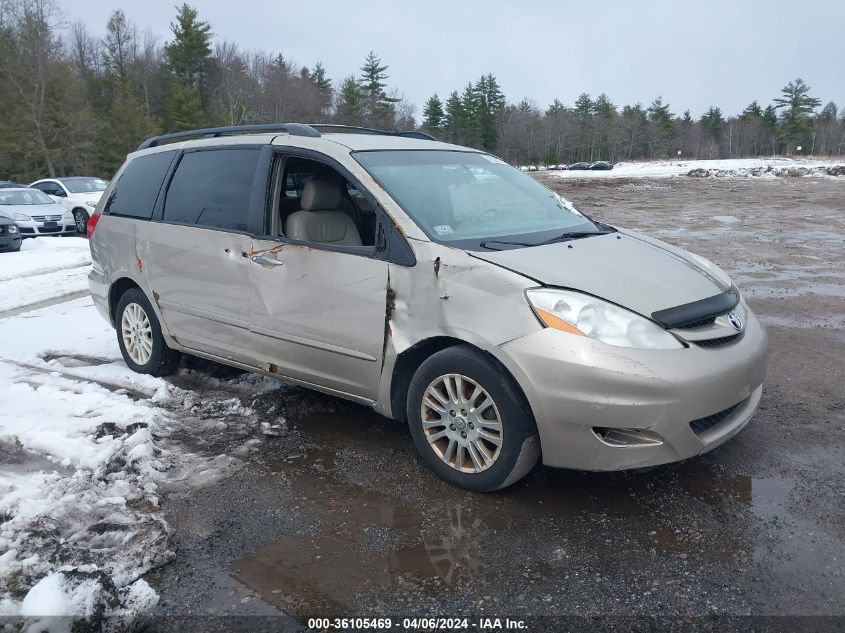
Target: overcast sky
(692, 53)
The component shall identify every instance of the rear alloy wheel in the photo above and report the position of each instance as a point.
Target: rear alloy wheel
(139, 336)
(469, 421)
(80, 217)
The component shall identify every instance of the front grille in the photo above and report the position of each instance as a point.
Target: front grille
(718, 342)
(705, 424)
(2, 230)
(702, 323)
(27, 229)
(46, 218)
(54, 229)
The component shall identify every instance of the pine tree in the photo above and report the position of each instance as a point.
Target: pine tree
(454, 117)
(797, 105)
(187, 55)
(350, 108)
(712, 123)
(583, 106)
(752, 111)
(185, 109)
(433, 115)
(118, 42)
(190, 47)
(378, 108)
(324, 87)
(490, 102)
(662, 126)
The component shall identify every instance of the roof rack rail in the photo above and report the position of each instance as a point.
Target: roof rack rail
(294, 129)
(369, 130)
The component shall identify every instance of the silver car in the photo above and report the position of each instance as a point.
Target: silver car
(35, 213)
(432, 282)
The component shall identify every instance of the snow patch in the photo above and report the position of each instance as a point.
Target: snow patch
(728, 168)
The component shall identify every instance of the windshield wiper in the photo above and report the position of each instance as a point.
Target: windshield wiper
(570, 235)
(486, 242)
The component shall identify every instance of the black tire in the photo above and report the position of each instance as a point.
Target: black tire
(520, 446)
(162, 360)
(80, 217)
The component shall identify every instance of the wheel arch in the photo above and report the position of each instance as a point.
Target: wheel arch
(116, 291)
(409, 360)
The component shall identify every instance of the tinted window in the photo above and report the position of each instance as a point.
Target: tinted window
(50, 188)
(212, 188)
(136, 190)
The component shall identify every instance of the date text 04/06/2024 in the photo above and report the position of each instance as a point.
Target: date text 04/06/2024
(414, 624)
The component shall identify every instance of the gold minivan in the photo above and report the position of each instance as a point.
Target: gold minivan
(433, 282)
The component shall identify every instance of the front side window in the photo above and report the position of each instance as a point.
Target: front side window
(31, 196)
(213, 188)
(51, 188)
(468, 199)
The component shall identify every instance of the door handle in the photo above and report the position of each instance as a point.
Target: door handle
(266, 261)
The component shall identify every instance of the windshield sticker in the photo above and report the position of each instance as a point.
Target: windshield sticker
(444, 229)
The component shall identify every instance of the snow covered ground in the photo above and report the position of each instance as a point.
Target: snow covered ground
(740, 167)
(87, 447)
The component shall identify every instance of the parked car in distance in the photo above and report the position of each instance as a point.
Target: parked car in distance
(9, 184)
(432, 282)
(601, 165)
(578, 166)
(77, 194)
(35, 213)
(10, 236)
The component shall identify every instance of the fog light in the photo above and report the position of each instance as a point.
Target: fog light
(627, 437)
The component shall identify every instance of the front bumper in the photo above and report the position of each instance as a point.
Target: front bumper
(10, 241)
(576, 384)
(34, 228)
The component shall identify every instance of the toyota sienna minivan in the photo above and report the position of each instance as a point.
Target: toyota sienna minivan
(432, 282)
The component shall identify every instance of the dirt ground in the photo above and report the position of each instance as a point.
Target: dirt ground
(336, 516)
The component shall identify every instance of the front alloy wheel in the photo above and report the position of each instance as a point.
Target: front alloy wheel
(469, 420)
(461, 423)
(80, 217)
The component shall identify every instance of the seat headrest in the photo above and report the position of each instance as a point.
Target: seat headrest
(319, 195)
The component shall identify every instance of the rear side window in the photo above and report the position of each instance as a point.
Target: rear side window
(212, 188)
(136, 190)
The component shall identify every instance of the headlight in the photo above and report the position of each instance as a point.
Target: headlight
(13, 228)
(91, 203)
(23, 217)
(584, 315)
(67, 215)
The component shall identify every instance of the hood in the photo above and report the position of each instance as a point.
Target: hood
(636, 272)
(53, 208)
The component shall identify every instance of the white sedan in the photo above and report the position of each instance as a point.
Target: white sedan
(77, 194)
(35, 213)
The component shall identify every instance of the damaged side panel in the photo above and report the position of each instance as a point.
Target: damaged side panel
(449, 293)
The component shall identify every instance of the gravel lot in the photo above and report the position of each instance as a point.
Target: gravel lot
(336, 516)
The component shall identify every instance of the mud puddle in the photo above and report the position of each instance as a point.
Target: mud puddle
(375, 535)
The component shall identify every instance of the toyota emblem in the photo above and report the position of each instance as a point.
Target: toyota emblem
(733, 317)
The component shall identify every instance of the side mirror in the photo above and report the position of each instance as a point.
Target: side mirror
(59, 193)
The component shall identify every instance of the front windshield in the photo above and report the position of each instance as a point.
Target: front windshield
(85, 185)
(467, 199)
(30, 196)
